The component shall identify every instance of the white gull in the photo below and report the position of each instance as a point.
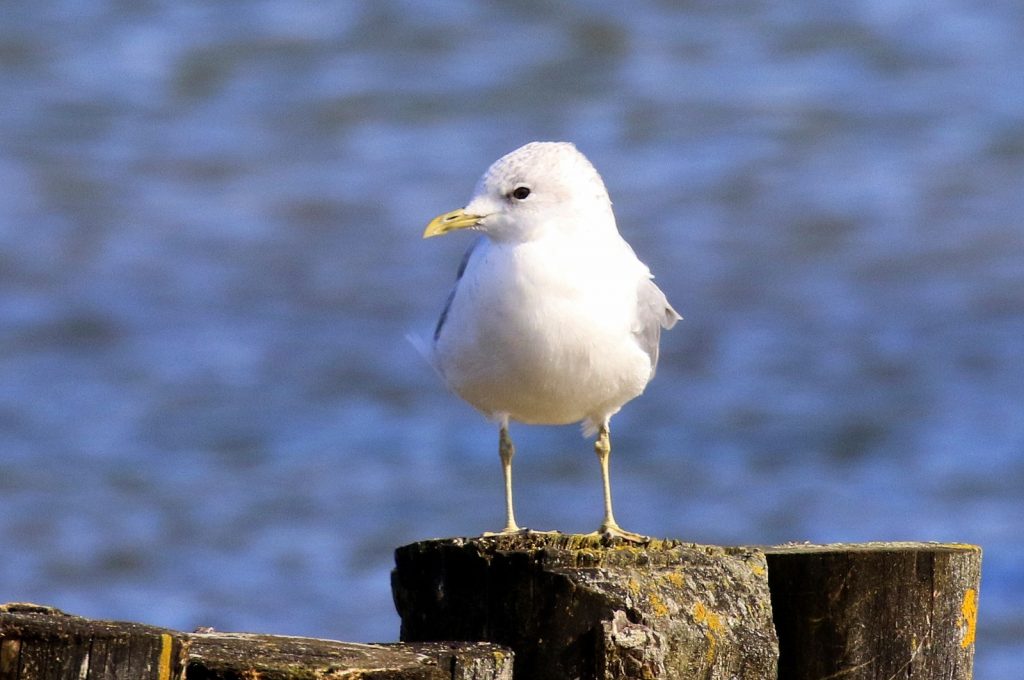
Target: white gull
(553, 318)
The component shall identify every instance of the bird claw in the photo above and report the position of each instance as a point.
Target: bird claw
(504, 532)
(516, 531)
(612, 531)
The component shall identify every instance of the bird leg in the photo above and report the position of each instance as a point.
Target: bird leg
(506, 450)
(609, 527)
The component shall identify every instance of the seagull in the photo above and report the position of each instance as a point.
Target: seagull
(553, 319)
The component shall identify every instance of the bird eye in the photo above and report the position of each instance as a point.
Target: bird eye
(520, 192)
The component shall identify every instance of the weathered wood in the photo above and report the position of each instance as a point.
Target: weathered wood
(875, 610)
(42, 643)
(580, 607)
(227, 656)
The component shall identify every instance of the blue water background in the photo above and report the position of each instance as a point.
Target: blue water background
(210, 254)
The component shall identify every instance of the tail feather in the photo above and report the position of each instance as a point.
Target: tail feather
(425, 349)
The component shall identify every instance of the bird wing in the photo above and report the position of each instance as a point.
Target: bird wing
(653, 312)
(451, 295)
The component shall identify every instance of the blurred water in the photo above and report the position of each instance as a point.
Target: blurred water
(210, 255)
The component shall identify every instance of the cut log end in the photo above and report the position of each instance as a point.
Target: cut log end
(875, 610)
(586, 607)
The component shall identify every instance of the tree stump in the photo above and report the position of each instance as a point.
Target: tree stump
(875, 610)
(43, 643)
(581, 607)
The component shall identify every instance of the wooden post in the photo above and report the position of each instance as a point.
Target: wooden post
(43, 643)
(577, 607)
(875, 610)
(580, 607)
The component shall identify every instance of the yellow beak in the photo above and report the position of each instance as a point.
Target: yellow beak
(450, 221)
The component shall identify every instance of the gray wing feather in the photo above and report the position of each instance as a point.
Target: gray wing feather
(652, 314)
(451, 295)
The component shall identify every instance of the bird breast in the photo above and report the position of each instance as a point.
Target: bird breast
(543, 333)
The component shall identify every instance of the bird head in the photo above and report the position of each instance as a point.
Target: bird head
(524, 195)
